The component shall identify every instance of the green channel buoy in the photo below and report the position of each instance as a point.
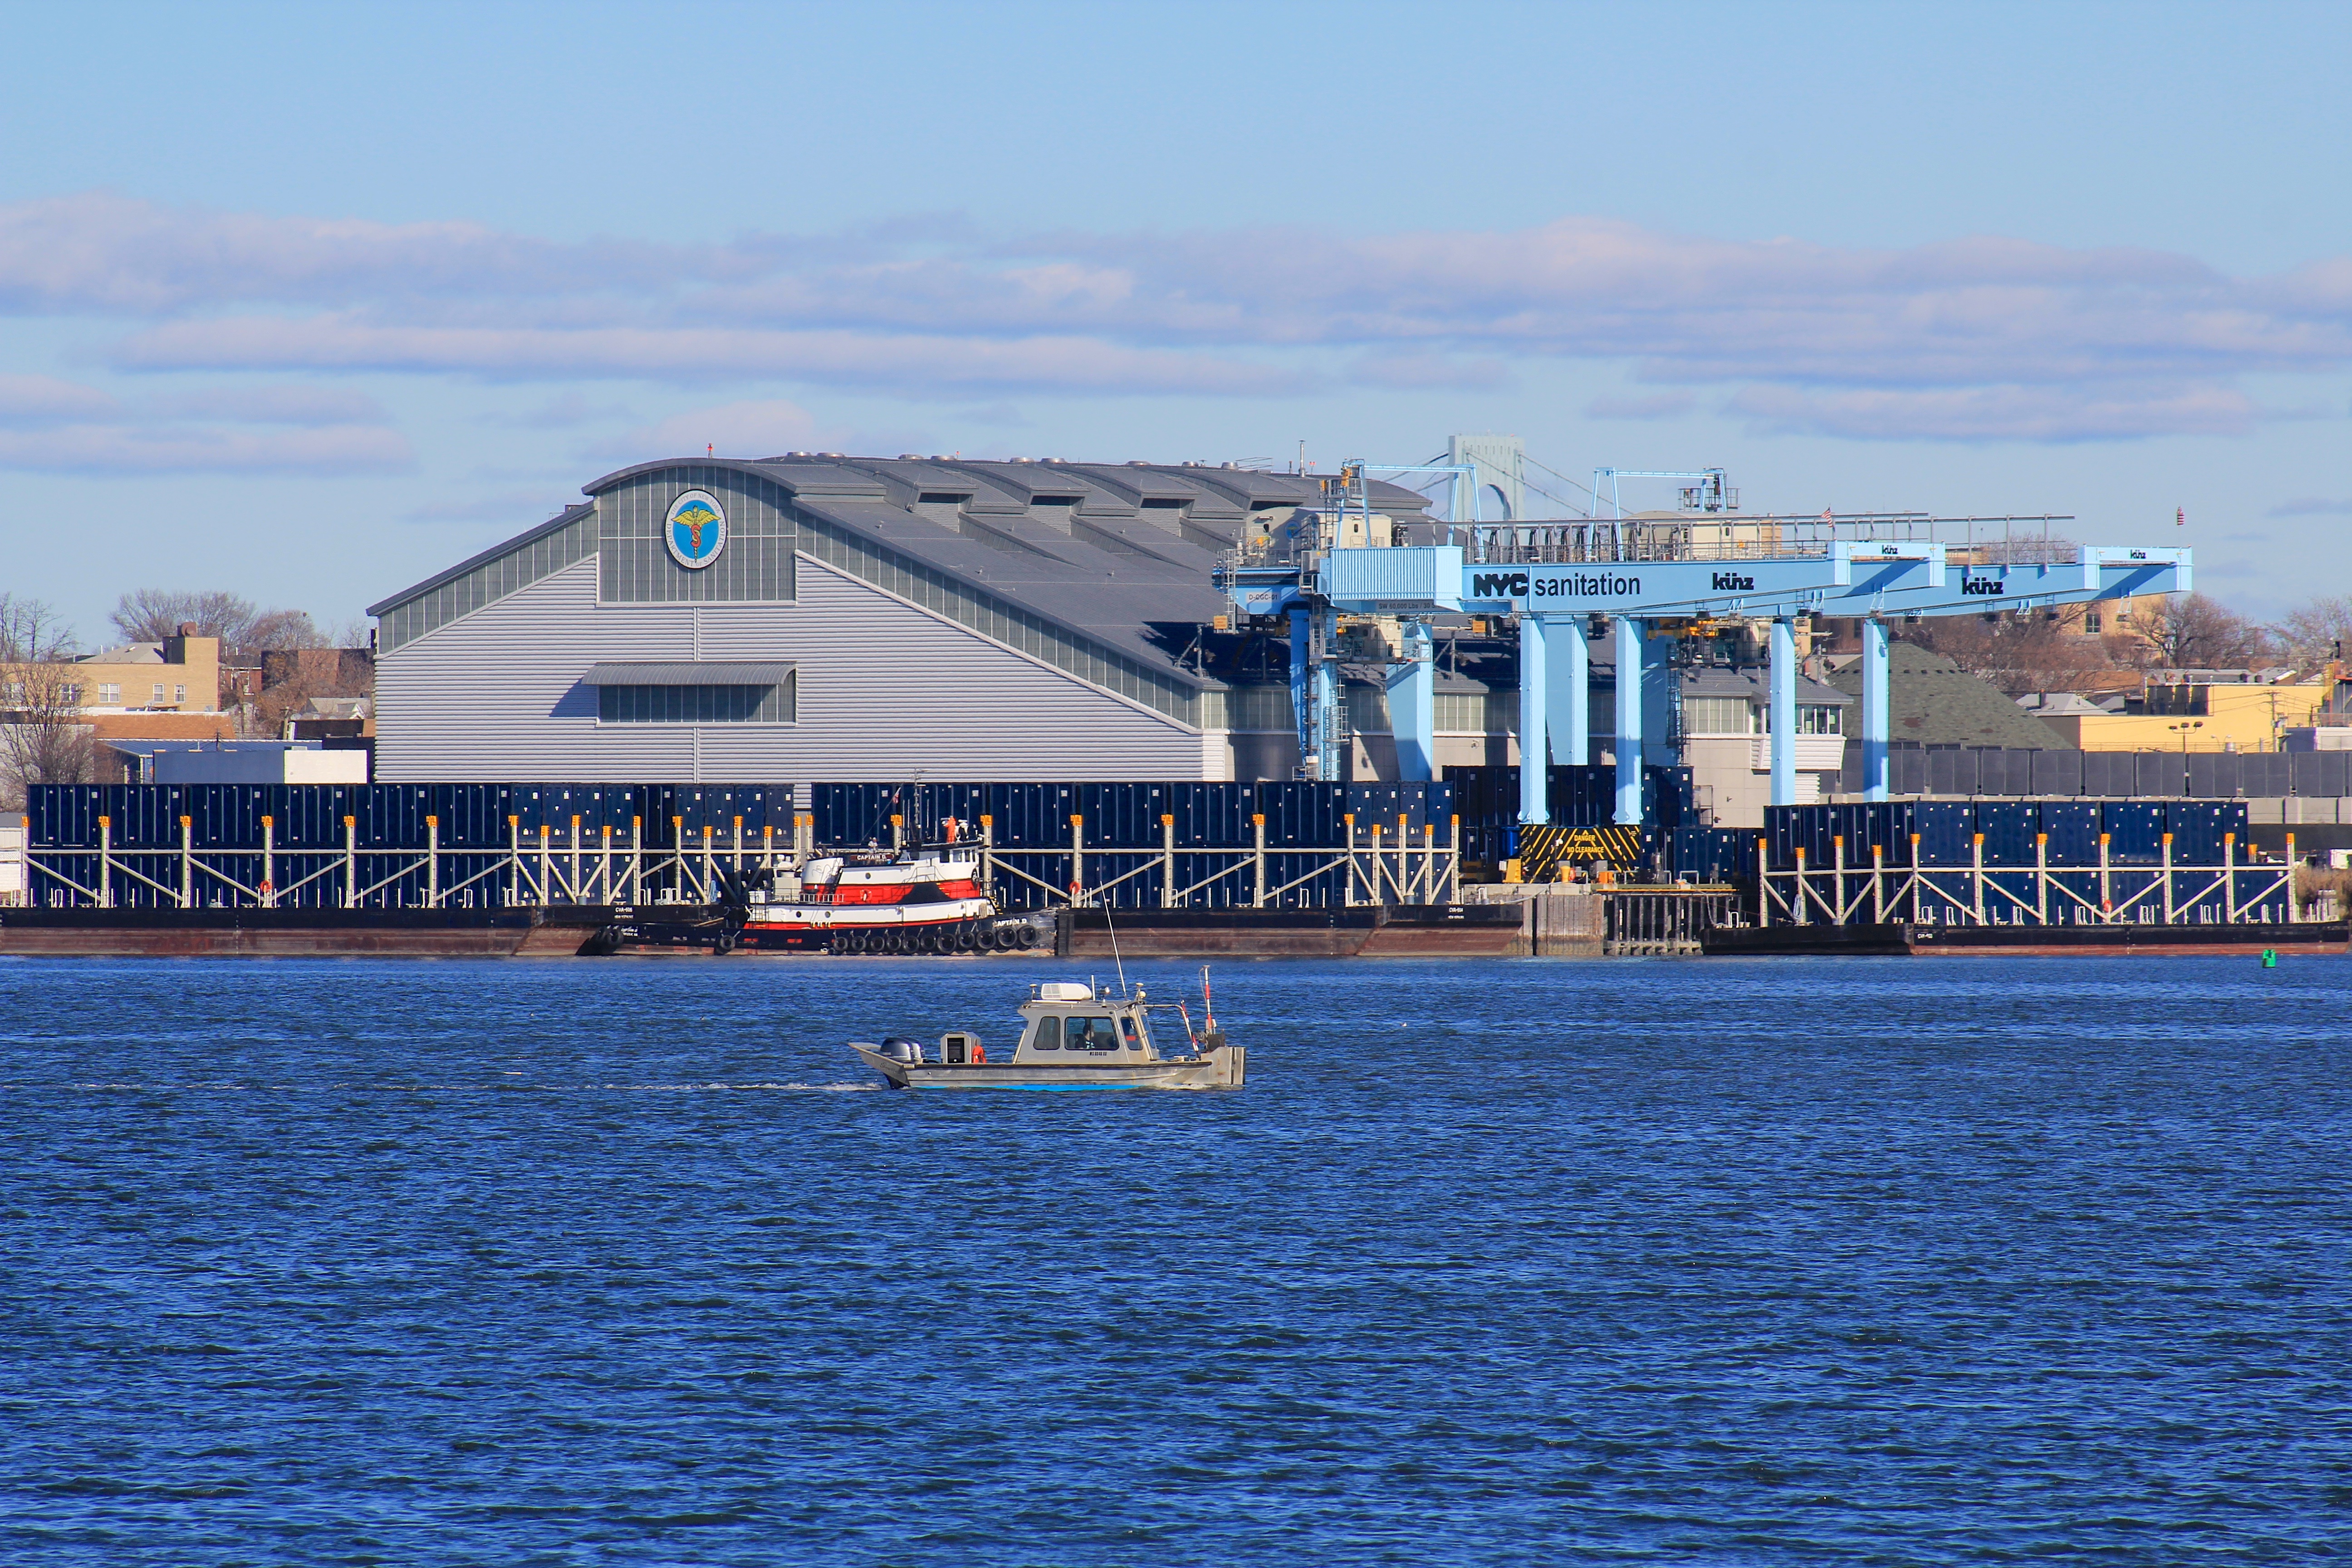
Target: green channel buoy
(2270, 958)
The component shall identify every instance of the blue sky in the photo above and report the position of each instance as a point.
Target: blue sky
(310, 302)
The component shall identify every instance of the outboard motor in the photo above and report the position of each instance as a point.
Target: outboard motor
(899, 1049)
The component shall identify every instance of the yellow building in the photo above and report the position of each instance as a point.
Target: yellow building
(179, 674)
(2246, 716)
(161, 691)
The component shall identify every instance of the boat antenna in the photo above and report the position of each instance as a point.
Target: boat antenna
(1114, 949)
(1208, 1009)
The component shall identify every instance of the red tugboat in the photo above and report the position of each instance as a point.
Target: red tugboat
(877, 901)
(887, 904)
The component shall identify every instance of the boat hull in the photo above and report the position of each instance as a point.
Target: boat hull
(1221, 1068)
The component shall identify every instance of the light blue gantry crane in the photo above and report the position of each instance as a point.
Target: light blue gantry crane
(1554, 579)
(1554, 604)
(1710, 489)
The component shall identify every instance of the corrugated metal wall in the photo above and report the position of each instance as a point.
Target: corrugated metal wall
(886, 691)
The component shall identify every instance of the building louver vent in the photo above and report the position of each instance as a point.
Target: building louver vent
(695, 672)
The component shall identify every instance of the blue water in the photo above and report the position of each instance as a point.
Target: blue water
(1961, 1260)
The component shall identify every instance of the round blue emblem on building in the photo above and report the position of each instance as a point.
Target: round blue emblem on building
(696, 529)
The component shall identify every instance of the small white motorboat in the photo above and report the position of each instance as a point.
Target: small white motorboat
(1072, 1036)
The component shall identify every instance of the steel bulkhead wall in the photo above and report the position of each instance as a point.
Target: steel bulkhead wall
(288, 812)
(2009, 828)
(831, 808)
(2325, 774)
(2135, 830)
(2204, 773)
(1945, 766)
(472, 815)
(2261, 774)
(1784, 831)
(63, 816)
(1033, 816)
(1944, 827)
(138, 812)
(1992, 770)
(1212, 816)
(1305, 812)
(2198, 827)
(227, 816)
(2158, 774)
(2073, 829)
(659, 803)
(1851, 823)
(1120, 816)
(2055, 772)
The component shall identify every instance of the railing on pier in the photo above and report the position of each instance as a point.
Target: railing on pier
(1656, 921)
(2101, 893)
(1733, 536)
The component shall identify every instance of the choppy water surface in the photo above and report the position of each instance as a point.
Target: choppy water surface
(1967, 1260)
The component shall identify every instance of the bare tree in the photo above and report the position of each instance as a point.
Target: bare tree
(2033, 652)
(274, 629)
(2316, 632)
(2192, 631)
(150, 614)
(43, 738)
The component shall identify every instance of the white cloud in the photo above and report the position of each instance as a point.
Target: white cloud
(1993, 414)
(503, 506)
(1414, 371)
(45, 400)
(1664, 405)
(564, 411)
(195, 449)
(753, 429)
(106, 253)
(276, 406)
(1975, 338)
(64, 428)
(60, 426)
(2314, 506)
(912, 365)
(734, 429)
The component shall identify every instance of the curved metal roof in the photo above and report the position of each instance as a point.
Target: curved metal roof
(1121, 556)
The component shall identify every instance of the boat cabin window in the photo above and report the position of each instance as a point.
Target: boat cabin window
(1134, 1036)
(1047, 1036)
(1091, 1034)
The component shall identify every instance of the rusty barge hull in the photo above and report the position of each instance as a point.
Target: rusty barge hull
(1432, 930)
(299, 934)
(1893, 940)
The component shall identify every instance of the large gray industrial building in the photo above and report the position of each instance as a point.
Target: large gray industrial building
(817, 616)
(860, 619)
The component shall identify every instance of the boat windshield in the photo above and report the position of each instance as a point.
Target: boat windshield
(1089, 1031)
